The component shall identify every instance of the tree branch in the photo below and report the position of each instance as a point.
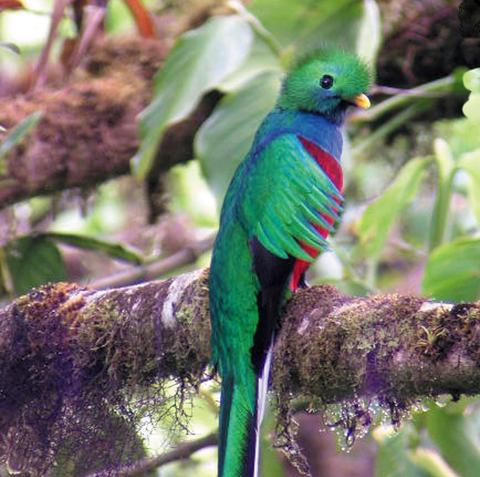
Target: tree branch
(69, 341)
(149, 271)
(183, 451)
(89, 130)
(330, 345)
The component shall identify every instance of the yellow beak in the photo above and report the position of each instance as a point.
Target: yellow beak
(361, 100)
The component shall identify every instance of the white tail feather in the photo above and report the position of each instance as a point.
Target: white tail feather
(262, 389)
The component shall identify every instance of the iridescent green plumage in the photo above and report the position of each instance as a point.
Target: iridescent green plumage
(281, 204)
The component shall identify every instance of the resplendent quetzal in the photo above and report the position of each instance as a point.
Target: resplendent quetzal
(284, 200)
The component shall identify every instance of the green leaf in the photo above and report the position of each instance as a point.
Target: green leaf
(379, 217)
(471, 80)
(17, 135)
(200, 60)
(471, 108)
(457, 439)
(307, 25)
(33, 261)
(260, 60)
(470, 162)
(112, 249)
(462, 135)
(393, 452)
(443, 158)
(431, 462)
(445, 173)
(452, 272)
(226, 136)
(370, 33)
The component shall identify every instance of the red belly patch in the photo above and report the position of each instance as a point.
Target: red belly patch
(333, 170)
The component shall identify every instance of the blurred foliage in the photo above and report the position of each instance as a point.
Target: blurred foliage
(452, 271)
(412, 220)
(378, 218)
(393, 454)
(199, 61)
(31, 262)
(304, 25)
(16, 136)
(237, 117)
(471, 108)
(456, 435)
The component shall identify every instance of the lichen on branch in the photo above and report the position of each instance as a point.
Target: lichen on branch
(78, 364)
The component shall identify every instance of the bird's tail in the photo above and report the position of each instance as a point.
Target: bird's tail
(242, 408)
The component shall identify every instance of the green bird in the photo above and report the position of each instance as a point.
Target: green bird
(284, 200)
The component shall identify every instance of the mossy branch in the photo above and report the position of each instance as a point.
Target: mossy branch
(330, 345)
(89, 129)
(64, 346)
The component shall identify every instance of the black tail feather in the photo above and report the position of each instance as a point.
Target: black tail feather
(250, 452)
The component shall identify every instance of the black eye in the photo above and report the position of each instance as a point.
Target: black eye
(326, 82)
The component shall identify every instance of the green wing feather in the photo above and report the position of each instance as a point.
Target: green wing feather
(280, 212)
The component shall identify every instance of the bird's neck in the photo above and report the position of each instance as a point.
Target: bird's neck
(316, 128)
(336, 115)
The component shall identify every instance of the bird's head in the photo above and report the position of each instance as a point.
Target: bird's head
(326, 82)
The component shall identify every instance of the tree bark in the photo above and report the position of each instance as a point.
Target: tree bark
(68, 350)
(330, 346)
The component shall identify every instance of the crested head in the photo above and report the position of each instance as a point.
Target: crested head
(326, 82)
